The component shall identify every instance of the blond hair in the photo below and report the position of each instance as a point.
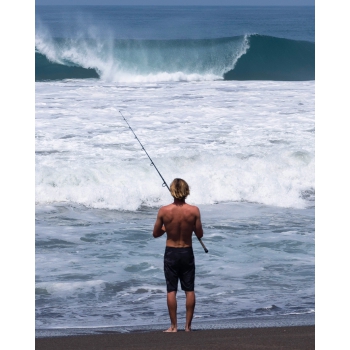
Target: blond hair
(179, 189)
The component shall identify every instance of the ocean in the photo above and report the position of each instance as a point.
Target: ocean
(222, 97)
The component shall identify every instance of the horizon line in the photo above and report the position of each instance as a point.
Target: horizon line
(160, 5)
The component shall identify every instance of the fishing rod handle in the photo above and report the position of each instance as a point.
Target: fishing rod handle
(204, 247)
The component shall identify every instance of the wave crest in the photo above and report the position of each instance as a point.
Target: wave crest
(247, 57)
(139, 60)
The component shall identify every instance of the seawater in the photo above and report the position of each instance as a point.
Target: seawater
(245, 147)
(144, 44)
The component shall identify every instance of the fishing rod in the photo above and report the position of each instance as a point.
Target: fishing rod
(152, 164)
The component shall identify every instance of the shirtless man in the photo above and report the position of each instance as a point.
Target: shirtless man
(179, 220)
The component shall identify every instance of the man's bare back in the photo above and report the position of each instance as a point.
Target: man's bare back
(178, 220)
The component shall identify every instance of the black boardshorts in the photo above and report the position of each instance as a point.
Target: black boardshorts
(179, 264)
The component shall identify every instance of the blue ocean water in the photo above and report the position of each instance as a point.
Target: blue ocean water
(222, 97)
(126, 43)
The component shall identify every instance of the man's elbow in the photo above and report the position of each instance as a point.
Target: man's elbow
(199, 234)
(157, 234)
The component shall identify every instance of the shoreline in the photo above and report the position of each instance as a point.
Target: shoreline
(272, 321)
(287, 338)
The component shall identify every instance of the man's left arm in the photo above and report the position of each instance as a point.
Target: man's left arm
(159, 228)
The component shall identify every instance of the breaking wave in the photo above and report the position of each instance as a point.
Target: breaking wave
(246, 57)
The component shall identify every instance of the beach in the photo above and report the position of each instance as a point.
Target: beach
(286, 338)
(215, 101)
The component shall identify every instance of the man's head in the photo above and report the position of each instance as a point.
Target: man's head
(179, 189)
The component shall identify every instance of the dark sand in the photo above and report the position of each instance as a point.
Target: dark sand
(282, 338)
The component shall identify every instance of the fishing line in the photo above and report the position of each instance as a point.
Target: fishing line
(152, 164)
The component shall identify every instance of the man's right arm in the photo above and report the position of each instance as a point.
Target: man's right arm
(159, 228)
(198, 229)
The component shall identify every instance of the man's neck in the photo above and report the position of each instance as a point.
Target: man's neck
(179, 201)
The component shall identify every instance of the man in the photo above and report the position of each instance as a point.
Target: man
(179, 220)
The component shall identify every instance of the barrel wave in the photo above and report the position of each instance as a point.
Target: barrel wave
(247, 57)
(270, 58)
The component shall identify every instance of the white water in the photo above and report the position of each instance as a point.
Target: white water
(232, 141)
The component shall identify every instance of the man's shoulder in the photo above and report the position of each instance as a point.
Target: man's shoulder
(193, 208)
(164, 208)
(170, 206)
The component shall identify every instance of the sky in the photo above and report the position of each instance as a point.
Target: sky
(181, 2)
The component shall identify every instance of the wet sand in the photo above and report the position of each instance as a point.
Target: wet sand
(282, 338)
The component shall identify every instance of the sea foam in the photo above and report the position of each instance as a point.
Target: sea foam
(231, 142)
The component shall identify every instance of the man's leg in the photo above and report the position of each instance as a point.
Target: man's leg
(190, 304)
(172, 307)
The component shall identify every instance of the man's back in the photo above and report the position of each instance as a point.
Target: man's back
(180, 220)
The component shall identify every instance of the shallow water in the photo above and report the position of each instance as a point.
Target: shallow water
(98, 268)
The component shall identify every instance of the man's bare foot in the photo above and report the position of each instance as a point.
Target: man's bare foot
(171, 330)
(188, 329)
